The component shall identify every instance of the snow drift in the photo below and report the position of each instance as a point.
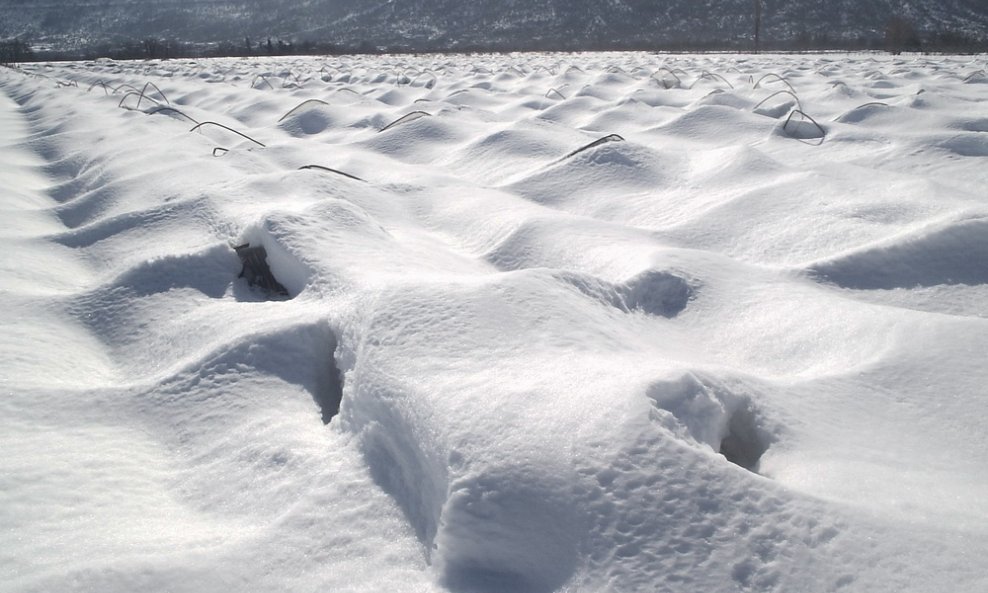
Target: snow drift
(735, 346)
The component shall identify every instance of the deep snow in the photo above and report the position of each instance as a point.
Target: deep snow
(546, 353)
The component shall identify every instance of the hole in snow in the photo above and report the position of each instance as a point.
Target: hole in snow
(743, 445)
(652, 292)
(714, 414)
(656, 293)
(328, 392)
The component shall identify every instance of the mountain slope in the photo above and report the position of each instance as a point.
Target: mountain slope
(510, 23)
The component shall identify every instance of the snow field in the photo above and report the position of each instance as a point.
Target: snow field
(545, 352)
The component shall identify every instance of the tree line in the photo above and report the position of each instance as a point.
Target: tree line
(15, 50)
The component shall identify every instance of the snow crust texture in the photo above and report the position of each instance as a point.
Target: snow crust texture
(562, 322)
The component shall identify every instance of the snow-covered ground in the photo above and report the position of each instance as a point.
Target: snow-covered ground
(740, 345)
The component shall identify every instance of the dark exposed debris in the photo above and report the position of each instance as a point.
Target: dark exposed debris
(329, 170)
(595, 143)
(405, 119)
(255, 269)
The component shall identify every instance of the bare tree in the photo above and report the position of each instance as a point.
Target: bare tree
(901, 35)
(758, 25)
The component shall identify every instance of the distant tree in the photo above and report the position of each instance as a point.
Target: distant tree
(901, 35)
(758, 25)
(152, 48)
(15, 50)
(366, 47)
(803, 41)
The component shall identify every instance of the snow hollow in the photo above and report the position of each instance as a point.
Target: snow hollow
(518, 323)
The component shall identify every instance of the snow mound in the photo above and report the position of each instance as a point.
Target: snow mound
(954, 253)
